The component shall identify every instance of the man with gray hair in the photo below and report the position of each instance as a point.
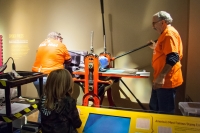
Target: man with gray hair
(51, 54)
(167, 53)
(55, 35)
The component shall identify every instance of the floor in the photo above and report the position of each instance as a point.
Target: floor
(33, 117)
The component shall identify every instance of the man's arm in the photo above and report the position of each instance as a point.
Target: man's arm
(68, 62)
(171, 60)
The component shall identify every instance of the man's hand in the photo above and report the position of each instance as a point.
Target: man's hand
(153, 45)
(160, 80)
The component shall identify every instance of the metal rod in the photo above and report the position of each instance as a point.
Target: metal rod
(134, 95)
(135, 49)
(104, 43)
(104, 34)
(91, 46)
(102, 12)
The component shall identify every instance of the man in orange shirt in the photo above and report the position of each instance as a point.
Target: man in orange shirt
(51, 54)
(168, 51)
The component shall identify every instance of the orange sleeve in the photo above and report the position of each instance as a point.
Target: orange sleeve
(66, 53)
(170, 45)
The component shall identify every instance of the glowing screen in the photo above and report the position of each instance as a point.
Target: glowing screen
(97, 123)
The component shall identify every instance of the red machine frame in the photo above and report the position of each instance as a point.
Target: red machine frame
(91, 80)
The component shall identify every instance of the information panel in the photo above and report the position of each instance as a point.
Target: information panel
(101, 120)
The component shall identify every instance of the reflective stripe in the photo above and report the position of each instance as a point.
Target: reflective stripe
(52, 68)
(46, 70)
(19, 114)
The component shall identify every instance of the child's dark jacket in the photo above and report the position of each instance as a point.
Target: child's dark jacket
(63, 120)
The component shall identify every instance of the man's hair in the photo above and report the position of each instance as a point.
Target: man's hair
(54, 35)
(59, 85)
(163, 15)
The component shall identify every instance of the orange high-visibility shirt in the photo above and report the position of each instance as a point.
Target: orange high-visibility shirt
(51, 55)
(169, 41)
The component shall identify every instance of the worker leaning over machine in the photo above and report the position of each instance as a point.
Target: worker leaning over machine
(51, 54)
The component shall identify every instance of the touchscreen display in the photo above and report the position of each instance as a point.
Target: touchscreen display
(97, 123)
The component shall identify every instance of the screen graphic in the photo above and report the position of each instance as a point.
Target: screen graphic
(97, 123)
